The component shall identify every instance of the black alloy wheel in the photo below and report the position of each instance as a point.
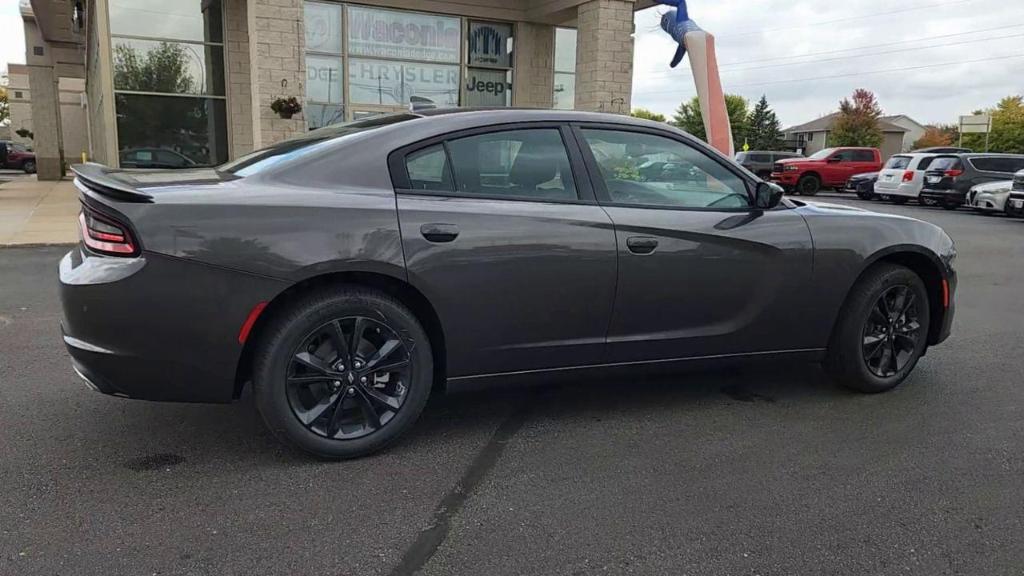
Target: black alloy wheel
(808, 185)
(341, 372)
(891, 332)
(349, 378)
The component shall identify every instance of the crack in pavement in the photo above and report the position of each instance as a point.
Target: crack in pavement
(430, 539)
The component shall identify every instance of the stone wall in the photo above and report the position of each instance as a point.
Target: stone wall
(239, 78)
(604, 56)
(277, 44)
(533, 80)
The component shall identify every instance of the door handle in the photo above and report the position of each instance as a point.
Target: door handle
(439, 232)
(641, 244)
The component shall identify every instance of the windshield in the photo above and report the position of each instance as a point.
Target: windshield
(898, 162)
(260, 160)
(822, 154)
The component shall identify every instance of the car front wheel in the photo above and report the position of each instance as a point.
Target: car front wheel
(342, 373)
(882, 330)
(29, 167)
(808, 185)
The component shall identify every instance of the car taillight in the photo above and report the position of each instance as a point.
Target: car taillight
(104, 235)
(953, 173)
(908, 175)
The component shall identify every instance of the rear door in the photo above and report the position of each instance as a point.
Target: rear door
(506, 241)
(700, 272)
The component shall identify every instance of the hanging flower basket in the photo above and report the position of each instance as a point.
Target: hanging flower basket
(286, 107)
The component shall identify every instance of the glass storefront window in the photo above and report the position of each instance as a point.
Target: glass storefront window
(406, 35)
(490, 44)
(171, 67)
(169, 86)
(187, 20)
(488, 87)
(390, 83)
(171, 131)
(325, 78)
(565, 69)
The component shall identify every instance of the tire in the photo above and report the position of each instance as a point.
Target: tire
(898, 199)
(925, 201)
(865, 195)
(314, 333)
(853, 361)
(29, 166)
(808, 185)
(948, 206)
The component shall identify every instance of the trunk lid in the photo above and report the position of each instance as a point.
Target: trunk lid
(141, 185)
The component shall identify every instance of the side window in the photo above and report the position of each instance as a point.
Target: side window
(863, 156)
(428, 169)
(649, 170)
(763, 158)
(529, 164)
(843, 156)
(985, 164)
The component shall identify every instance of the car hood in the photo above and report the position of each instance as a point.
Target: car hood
(826, 207)
(998, 186)
(795, 160)
(864, 176)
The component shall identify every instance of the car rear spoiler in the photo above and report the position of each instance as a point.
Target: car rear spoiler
(103, 180)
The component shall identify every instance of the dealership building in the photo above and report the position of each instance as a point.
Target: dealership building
(174, 83)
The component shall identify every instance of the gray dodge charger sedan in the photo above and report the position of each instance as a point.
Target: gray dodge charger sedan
(348, 273)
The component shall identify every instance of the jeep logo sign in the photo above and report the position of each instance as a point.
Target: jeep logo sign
(488, 88)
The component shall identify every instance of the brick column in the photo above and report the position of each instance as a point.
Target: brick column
(239, 77)
(47, 142)
(278, 67)
(534, 76)
(604, 56)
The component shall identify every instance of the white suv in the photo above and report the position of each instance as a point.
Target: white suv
(902, 177)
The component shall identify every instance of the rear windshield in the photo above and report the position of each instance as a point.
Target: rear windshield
(945, 163)
(925, 163)
(898, 162)
(260, 160)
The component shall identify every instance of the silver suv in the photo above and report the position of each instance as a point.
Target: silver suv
(760, 162)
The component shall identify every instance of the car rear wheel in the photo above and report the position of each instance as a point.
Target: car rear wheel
(882, 330)
(808, 185)
(29, 166)
(865, 195)
(342, 373)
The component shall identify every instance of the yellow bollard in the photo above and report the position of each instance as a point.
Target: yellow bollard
(85, 158)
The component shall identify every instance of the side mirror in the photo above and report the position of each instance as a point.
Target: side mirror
(767, 195)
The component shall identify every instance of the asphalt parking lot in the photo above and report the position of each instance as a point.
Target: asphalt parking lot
(753, 471)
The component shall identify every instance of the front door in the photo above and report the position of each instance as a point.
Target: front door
(701, 273)
(508, 244)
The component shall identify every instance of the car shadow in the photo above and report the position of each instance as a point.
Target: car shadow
(235, 431)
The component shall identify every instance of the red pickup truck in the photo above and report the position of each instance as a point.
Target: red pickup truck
(828, 168)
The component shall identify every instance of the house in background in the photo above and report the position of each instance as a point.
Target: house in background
(914, 129)
(813, 136)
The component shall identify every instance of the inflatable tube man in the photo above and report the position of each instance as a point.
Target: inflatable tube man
(700, 45)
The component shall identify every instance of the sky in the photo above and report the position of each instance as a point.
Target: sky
(930, 59)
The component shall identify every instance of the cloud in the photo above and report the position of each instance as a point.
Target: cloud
(787, 51)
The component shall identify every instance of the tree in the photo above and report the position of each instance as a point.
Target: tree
(764, 131)
(647, 115)
(1007, 128)
(858, 121)
(5, 107)
(935, 136)
(688, 117)
(177, 123)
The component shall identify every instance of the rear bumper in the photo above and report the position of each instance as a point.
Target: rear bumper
(155, 327)
(948, 197)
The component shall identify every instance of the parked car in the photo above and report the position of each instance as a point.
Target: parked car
(863, 185)
(902, 177)
(761, 162)
(989, 198)
(352, 271)
(829, 168)
(949, 178)
(154, 158)
(1015, 200)
(17, 156)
